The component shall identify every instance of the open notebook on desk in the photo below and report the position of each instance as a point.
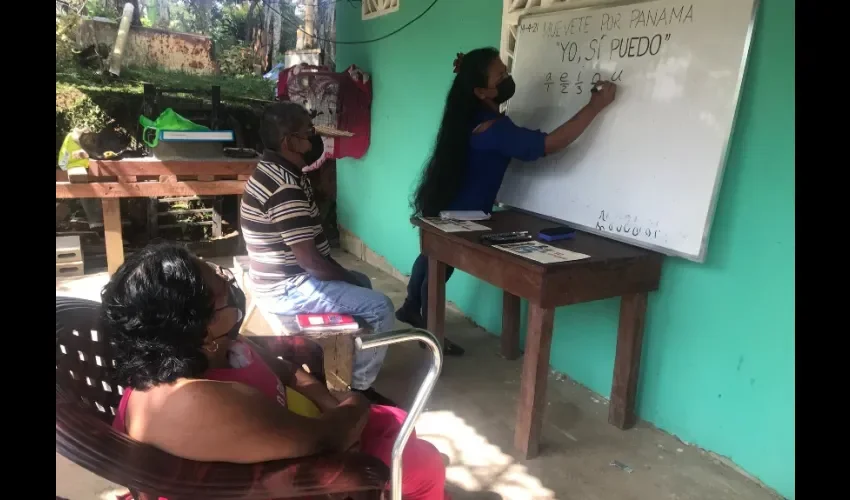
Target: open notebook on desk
(464, 215)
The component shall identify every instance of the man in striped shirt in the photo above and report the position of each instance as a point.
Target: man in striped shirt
(291, 269)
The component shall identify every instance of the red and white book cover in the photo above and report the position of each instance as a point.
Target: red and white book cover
(342, 322)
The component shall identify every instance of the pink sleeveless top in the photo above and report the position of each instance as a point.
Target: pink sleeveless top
(247, 368)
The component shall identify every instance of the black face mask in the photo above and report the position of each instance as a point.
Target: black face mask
(505, 89)
(235, 299)
(317, 148)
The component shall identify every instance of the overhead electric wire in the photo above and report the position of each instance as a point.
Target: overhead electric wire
(359, 42)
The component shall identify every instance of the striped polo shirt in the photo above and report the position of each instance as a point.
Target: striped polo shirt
(277, 212)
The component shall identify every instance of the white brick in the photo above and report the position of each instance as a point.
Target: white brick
(68, 249)
(64, 269)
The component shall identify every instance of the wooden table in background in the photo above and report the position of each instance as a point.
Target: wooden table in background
(149, 177)
(613, 270)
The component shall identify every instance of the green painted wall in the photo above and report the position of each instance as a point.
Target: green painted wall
(718, 361)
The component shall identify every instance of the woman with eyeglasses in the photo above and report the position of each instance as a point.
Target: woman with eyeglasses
(196, 391)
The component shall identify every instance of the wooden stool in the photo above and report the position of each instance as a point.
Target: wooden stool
(338, 346)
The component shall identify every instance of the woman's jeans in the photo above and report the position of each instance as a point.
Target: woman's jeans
(417, 287)
(320, 297)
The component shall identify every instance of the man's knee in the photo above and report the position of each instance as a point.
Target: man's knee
(386, 309)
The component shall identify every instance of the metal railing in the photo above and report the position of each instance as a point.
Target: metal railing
(373, 340)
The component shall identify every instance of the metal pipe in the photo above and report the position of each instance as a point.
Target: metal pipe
(373, 340)
(121, 40)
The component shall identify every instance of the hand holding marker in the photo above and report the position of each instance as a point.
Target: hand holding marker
(602, 94)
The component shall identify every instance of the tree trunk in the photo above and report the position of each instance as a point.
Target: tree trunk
(137, 16)
(249, 23)
(309, 26)
(158, 13)
(276, 25)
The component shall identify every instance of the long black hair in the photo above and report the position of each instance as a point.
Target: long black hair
(446, 167)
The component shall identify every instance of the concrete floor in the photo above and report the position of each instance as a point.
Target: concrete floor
(471, 415)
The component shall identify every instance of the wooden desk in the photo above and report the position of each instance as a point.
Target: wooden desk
(149, 177)
(613, 270)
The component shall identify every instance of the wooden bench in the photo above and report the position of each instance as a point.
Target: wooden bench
(338, 346)
(149, 177)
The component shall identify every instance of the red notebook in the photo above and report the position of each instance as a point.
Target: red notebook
(325, 322)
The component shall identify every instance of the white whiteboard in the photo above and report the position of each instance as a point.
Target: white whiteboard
(648, 170)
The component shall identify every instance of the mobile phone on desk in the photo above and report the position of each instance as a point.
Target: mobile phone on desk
(556, 233)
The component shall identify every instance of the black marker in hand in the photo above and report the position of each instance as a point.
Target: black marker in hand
(602, 94)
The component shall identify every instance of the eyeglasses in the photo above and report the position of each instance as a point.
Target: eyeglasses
(306, 134)
(222, 272)
(230, 280)
(232, 298)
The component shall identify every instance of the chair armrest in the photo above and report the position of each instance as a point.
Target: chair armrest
(351, 472)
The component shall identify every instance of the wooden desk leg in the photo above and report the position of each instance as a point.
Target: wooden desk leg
(535, 371)
(112, 234)
(510, 326)
(436, 298)
(621, 413)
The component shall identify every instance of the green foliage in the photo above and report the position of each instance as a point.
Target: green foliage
(183, 16)
(238, 59)
(132, 80)
(64, 43)
(289, 32)
(102, 8)
(85, 97)
(75, 109)
(80, 111)
(231, 27)
(66, 29)
(227, 23)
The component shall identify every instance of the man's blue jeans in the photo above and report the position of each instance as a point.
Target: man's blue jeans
(315, 296)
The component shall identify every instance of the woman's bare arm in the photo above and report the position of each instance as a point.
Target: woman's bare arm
(317, 392)
(570, 130)
(295, 377)
(227, 422)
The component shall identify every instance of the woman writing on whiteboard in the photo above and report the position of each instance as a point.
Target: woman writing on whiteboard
(474, 145)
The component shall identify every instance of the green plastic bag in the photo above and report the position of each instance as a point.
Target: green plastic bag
(168, 120)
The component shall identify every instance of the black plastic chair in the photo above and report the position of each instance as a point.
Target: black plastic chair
(87, 397)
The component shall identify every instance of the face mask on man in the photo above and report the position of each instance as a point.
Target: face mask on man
(317, 147)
